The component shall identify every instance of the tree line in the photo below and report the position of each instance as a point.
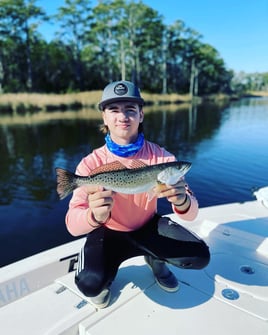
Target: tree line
(94, 45)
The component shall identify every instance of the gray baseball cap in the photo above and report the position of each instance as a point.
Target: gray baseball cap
(120, 91)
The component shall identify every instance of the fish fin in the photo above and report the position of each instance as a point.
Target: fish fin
(156, 190)
(136, 164)
(65, 182)
(117, 166)
(114, 166)
(159, 188)
(151, 194)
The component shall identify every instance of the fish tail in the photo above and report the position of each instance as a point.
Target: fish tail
(66, 182)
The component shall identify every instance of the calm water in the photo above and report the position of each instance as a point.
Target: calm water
(227, 147)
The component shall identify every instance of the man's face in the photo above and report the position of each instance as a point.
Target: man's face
(123, 119)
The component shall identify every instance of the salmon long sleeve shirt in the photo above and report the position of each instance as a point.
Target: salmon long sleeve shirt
(129, 212)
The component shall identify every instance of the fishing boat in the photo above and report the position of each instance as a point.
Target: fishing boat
(229, 296)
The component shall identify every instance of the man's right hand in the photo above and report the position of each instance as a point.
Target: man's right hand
(100, 202)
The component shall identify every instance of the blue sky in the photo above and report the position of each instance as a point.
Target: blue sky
(238, 29)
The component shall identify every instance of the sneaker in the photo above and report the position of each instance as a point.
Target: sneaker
(163, 276)
(103, 299)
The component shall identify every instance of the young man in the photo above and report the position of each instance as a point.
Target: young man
(120, 226)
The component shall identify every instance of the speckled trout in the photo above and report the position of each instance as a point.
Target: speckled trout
(136, 178)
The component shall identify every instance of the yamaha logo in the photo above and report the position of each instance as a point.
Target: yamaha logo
(120, 89)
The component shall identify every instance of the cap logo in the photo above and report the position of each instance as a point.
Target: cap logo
(120, 89)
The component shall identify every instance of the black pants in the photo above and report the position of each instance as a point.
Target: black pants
(106, 249)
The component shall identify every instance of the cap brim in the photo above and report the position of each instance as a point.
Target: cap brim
(102, 104)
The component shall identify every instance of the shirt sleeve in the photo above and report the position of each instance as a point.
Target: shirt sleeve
(79, 219)
(192, 212)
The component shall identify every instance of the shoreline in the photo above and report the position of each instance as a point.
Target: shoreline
(13, 104)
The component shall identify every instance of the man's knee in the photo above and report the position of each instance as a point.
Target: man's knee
(198, 262)
(204, 258)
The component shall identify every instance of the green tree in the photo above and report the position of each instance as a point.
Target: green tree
(53, 66)
(19, 20)
(142, 28)
(193, 66)
(212, 74)
(74, 19)
(123, 34)
(106, 40)
(116, 39)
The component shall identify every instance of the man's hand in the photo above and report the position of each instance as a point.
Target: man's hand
(174, 193)
(100, 202)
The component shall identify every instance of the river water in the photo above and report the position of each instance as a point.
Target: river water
(227, 146)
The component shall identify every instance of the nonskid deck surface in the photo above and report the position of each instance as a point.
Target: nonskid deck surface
(230, 296)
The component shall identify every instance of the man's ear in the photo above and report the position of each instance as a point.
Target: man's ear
(104, 119)
(141, 115)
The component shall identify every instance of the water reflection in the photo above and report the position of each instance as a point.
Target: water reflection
(30, 152)
(226, 144)
(180, 130)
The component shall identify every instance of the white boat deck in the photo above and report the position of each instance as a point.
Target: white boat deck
(230, 296)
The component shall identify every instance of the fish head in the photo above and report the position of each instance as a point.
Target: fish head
(172, 174)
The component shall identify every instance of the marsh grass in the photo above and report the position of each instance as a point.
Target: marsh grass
(258, 93)
(23, 108)
(24, 103)
(30, 103)
(44, 117)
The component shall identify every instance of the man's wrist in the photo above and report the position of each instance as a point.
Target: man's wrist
(93, 222)
(184, 206)
(183, 202)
